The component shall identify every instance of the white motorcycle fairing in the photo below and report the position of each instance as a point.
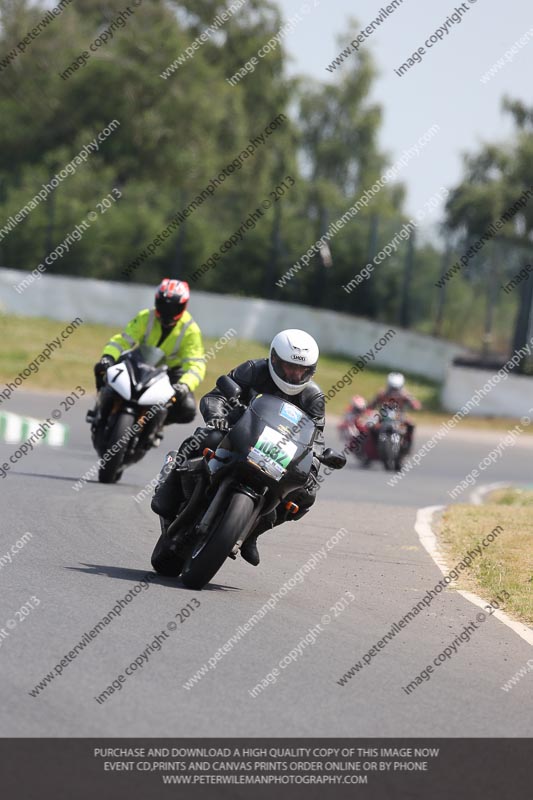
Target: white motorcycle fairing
(157, 394)
(119, 379)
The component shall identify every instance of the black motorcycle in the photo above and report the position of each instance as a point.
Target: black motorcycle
(392, 441)
(130, 410)
(266, 454)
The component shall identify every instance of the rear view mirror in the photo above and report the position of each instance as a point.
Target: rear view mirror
(330, 458)
(228, 387)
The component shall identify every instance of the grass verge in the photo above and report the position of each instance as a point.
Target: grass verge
(505, 564)
(23, 338)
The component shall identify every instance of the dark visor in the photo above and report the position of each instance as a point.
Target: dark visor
(285, 370)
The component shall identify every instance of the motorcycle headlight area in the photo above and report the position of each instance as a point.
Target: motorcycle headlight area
(266, 464)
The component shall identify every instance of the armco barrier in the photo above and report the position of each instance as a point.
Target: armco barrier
(511, 397)
(60, 297)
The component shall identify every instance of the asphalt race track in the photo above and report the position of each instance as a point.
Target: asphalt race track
(89, 548)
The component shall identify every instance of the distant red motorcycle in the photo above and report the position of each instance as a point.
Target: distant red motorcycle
(376, 436)
(356, 432)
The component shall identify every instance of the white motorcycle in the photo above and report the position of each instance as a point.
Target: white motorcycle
(130, 410)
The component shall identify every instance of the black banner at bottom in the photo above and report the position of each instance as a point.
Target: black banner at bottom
(86, 769)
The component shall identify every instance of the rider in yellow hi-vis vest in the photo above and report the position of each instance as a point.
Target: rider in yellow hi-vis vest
(170, 327)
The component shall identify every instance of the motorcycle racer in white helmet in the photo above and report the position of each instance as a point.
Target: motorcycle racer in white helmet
(292, 360)
(396, 397)
(395, 394)
(287, 373)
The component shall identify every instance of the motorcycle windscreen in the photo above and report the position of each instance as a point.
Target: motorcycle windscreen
(144, 364)
(390, 419)
(146, 354)
(285, 417)
(281, 434)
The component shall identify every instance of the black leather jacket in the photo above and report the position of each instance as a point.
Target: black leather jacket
(254, 378)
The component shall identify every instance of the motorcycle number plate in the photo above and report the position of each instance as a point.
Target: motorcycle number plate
(272, 452)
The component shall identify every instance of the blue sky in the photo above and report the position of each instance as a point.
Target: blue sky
(444, 88)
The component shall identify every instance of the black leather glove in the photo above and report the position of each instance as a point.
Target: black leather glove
(218, 424)
(181, 390)
(100, 370)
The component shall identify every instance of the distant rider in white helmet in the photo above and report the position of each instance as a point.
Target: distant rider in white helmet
(395, 396)
(286, 373)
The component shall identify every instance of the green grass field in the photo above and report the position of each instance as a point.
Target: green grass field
(507, 563)
(24, 338)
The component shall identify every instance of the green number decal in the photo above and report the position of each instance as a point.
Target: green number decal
(269, 444)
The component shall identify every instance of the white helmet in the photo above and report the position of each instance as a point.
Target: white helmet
(395, 380)
(292, 360)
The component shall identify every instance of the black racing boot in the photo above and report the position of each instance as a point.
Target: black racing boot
(249, 550)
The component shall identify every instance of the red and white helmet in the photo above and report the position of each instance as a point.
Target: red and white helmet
(171, 300)
(292, 360)
(358, 404)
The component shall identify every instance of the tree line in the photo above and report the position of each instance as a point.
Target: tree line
(197, 166)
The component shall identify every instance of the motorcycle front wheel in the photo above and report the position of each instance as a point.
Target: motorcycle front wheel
(117, 444)
(166, 559)
(389, 453)
(209, 554)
